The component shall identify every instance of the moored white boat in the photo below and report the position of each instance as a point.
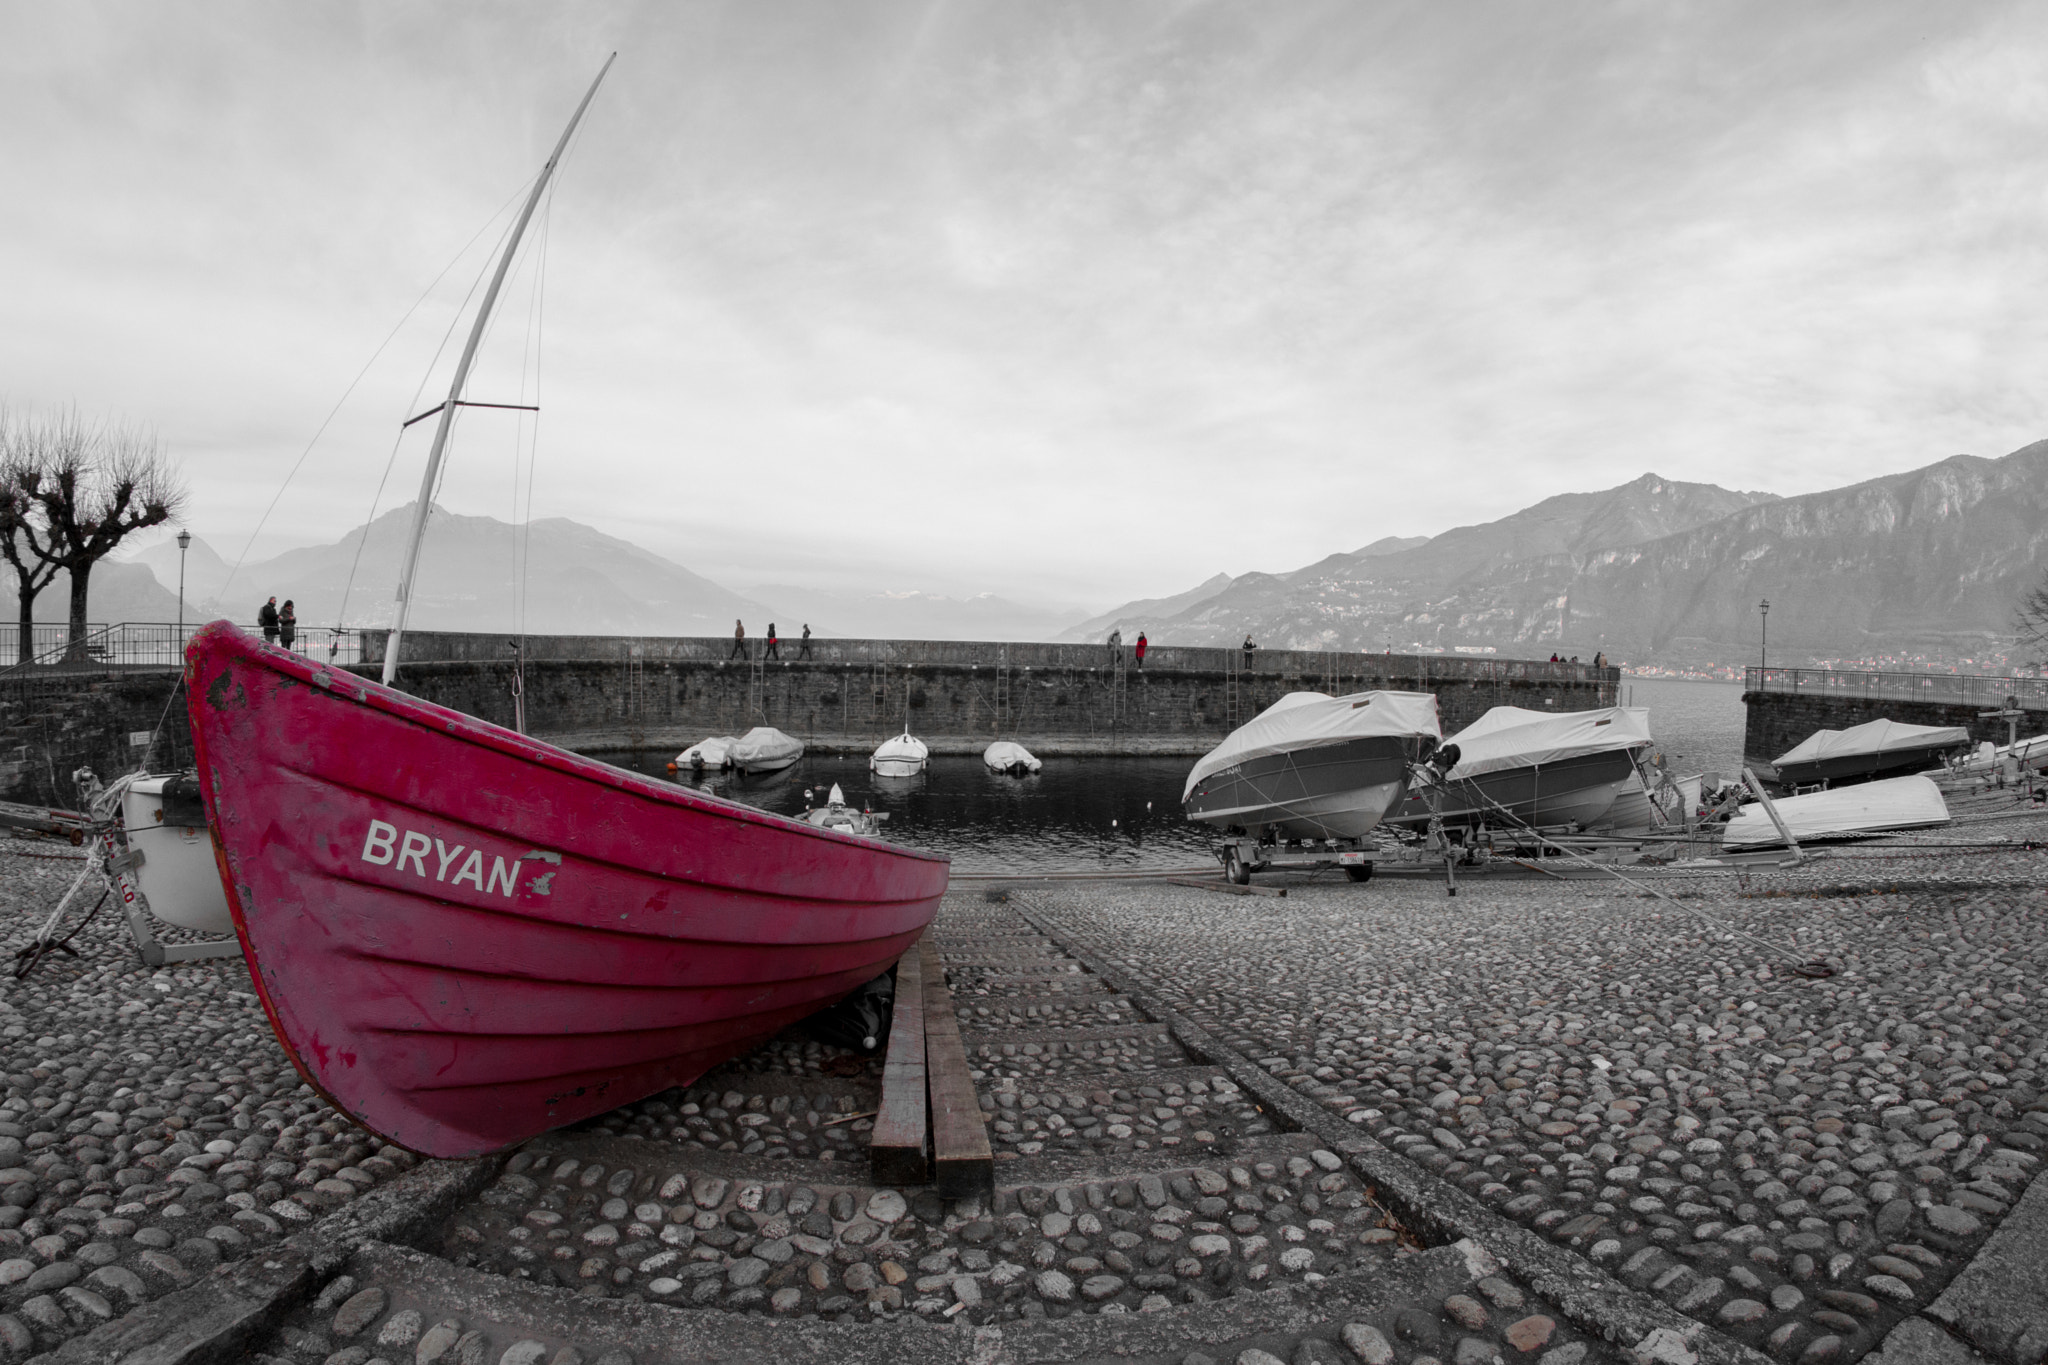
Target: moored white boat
(1861, 808)
(1008, 756)
(903, 756)
(1312, 766)
(763, 749)
(836, 814)
(708, 753)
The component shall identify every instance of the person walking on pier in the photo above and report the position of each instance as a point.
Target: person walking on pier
(266, 617)
(1140, 650)
(803, 648)
(1116, 646)
(1248, 648)
(772, 649)
(287, 624)
(739, 640)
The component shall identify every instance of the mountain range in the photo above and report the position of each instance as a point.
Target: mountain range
(1930, 562)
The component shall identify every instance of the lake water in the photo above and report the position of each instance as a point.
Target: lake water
(1697, 724)
(1092, 814)
(1118, 814)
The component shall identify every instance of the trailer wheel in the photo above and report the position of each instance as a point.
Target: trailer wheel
(1358, 872)
(1235, 869)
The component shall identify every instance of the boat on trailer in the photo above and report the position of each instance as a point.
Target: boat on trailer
(1877, 748)
(1312, 766)
(1539, 768)
(465, 937)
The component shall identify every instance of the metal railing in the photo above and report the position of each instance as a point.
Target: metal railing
(1977, 689)
(152, 644)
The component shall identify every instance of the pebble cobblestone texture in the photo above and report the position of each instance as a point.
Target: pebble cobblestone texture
(1798, 1163)
(1145, 1208)
(151, 1128)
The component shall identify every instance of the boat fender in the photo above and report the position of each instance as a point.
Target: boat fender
(860, 1022)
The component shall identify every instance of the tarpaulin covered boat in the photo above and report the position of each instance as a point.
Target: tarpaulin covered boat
(1862, 808)
(465, 937)
(1877, 748)
(1312, 766)
(1008, 756)
(763, 749)
(1540, 768)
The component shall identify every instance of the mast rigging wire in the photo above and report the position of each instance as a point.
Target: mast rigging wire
(336, 409)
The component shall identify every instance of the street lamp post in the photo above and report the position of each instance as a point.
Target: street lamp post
(1763, 650)
(184, 544)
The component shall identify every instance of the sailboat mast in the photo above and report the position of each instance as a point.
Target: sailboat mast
(447, 420)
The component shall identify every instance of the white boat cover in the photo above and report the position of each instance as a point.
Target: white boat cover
(2027, 753)
(905, 748)
(711, 752)
(1871, 737)
(764, 744)
(1894, 803)
(1307, 720)
(1515, 737)
(1006, 754)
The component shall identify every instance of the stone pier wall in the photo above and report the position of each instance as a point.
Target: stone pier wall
(53, 722)
(589, 692)
(616, 692)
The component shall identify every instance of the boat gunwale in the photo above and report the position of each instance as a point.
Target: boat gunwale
(223, 635)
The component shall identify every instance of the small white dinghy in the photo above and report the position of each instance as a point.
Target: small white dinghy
(1863, 808)
(710, 753)
(836, 814)
(763, 749)
(1008, 756)
(903, 756)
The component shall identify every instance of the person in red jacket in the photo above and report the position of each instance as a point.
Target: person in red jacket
(1139, 650)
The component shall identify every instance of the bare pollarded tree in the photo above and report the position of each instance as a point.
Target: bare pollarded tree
(70, 492)
(2030, 618)
(25, 447)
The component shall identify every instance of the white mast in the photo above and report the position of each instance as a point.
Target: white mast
(476, 336)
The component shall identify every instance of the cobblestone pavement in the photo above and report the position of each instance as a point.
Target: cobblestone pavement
(1131, 1180)
(1799, 1163)
(151, 1128)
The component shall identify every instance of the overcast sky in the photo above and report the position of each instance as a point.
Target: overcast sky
(1075, 302)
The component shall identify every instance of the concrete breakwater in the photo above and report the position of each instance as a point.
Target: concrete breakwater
(589, 692)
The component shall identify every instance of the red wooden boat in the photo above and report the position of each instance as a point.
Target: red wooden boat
(465, 937)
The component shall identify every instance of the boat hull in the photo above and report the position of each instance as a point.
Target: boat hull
(896, 767)
(1865, 767)
(1339, 790)
(1572, 791)
(464, 937)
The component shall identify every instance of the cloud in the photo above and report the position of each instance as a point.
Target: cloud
(1061, 301)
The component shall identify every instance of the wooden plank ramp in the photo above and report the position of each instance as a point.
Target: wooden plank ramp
(896, 1149)
(1228, 888)
(962, 1163)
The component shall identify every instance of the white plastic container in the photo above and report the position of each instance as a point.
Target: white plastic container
(178, 874)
